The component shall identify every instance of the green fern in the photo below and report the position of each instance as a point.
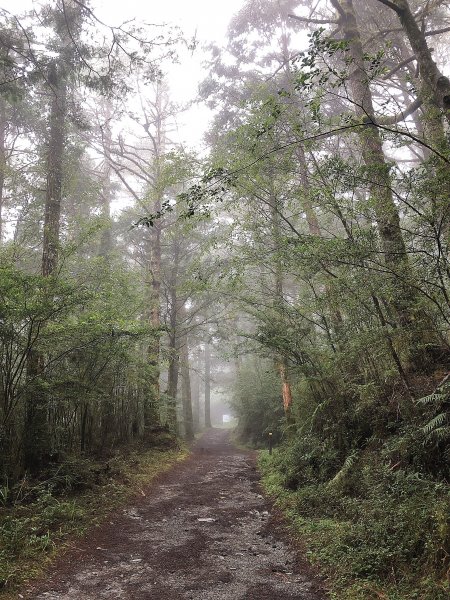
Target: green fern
(444, 432)
(435, 423)
(435, 397)
(441, 434)
(346, 467)
(4, 493)
(438, 427)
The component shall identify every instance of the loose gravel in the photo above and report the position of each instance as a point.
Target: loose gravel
(204, 532)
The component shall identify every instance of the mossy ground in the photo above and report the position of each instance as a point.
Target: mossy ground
(46, 522)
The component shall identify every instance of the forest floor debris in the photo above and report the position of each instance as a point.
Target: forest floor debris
(166, 553)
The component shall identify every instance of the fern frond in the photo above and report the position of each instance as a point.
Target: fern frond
(320, 407)
(435, 422)
(441, 434)
(346, 467)
(435, 397)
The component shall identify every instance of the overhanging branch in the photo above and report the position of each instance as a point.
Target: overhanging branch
(313, 21)
(401, 116)
(391, 5)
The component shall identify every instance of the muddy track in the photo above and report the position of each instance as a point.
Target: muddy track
(203, 532)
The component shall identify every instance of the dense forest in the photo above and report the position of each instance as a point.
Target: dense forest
(298, 265)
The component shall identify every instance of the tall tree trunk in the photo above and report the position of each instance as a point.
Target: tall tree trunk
(104, 250)
(314, 229)
(174, 309)
(278, 304)
(55, 157)
(405, 84)
(186, 393)
(151, 411)
(84, 426)
(106, 195)
(195, 380)
(305, 197)
(151, 415)
(37, 435)
(3, 127)
(311, 217)
(436, 86)
(207, 385)
(154, 265)
(433, 89)
(386, 212)
(431, 127)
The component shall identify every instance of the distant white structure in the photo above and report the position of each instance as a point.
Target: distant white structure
(226, 418)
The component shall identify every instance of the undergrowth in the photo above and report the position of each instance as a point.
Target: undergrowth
(39, 519)
(377, 532)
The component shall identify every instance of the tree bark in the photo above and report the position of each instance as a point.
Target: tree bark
(37, 434)
(305, 197)
(195, 387)
(207, 385)
(436, 86)
(172, 377)
(154, 262)
(3, 128)
(55, 156)
(386, 212)
(186, 393)
(153, 352)
(281, 360)
(106, 195)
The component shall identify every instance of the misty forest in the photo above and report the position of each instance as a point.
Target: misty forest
(172, 306)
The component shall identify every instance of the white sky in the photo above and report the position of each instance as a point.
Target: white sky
(207, 20)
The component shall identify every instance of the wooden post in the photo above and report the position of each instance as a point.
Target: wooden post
(270, 442)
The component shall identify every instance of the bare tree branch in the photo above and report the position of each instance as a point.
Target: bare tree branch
(400, 65)
(313, 21)
(401, 116)
(391, 5)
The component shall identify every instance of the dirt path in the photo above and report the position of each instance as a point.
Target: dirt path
(202, 533)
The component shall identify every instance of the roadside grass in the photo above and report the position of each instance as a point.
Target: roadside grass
(239, 443)
(368, 556)
(43, 519)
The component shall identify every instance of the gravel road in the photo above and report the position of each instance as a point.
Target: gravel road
(203, 532)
